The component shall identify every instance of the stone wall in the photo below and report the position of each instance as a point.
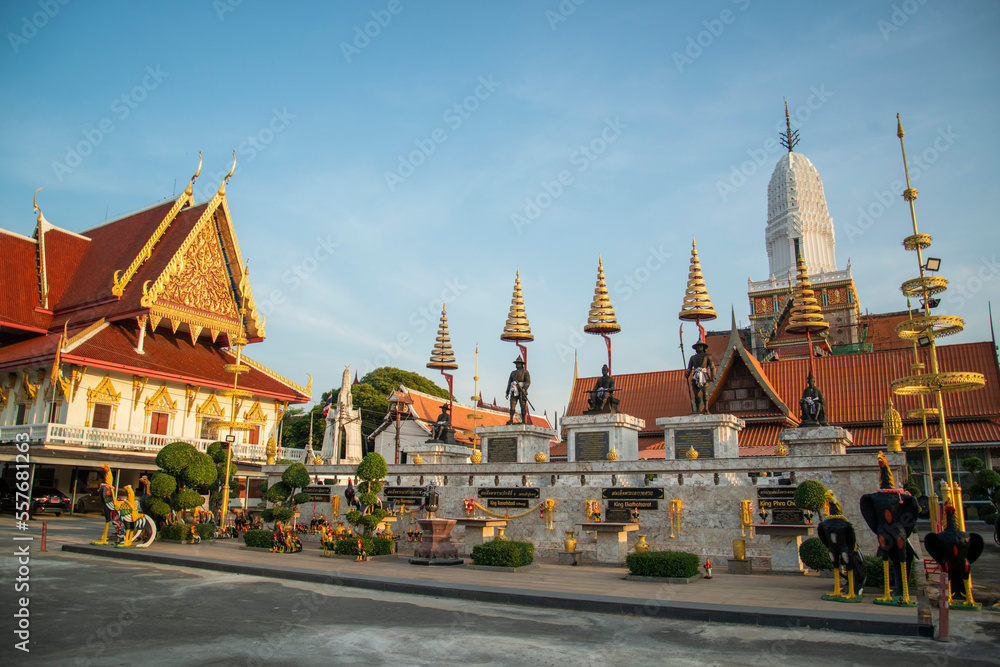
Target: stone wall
(710, 491)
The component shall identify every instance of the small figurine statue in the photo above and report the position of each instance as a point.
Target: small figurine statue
(701, 373)
(602, 397)
(812, 404)
(442, 425)
(517, 390)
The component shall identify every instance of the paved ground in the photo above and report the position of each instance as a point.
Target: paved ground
(91, 611)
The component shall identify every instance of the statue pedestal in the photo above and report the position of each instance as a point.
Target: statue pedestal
(591, 437)
(514, 443)
(435, 451)
(435, 546)
(816, 440)
(785, 543)
(712, 436)
(478, 531)
(612, 541)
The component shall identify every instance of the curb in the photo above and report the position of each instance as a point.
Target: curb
(601, 604)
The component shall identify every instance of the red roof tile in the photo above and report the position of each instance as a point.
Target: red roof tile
(19, 280)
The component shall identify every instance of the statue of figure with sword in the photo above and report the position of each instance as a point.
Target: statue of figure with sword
(517, 390)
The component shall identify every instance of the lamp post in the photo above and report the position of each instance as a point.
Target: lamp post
(399, 405)
(230, 440)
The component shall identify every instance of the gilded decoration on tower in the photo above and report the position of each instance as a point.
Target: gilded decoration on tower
(697, 307)
(806, 317)
(697, 303)
(517, 329)
(601, 320)
(923, 329)
(443, 358)
(892, 428)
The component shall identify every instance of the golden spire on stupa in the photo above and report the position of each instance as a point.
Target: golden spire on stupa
(602, 320)
(697, 303)
(442, 356)
(517, 329)
(806, 316)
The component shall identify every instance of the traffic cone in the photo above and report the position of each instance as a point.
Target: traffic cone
(708, 569)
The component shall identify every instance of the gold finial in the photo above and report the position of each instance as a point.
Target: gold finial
(806, 315)
(781, 450)
(899, 127)
(442, 356)
(34, 204)
(692, 453)
(892, 428)
(602, 320)
(517, 329)
(225, 181)
(697, 303)
(190, 188)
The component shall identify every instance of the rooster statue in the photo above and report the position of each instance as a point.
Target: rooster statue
(955, 551)
(837, 535)
(891, 513)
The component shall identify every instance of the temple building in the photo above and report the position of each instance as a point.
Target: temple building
(798, 222)
(128, 336)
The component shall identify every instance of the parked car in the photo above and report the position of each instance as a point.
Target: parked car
(43, 499)
(90, 502)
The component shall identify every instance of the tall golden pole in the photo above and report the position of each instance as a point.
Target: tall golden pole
(924, 330)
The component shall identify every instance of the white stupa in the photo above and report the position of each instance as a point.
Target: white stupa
(798, 220)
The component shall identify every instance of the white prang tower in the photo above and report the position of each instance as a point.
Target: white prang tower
(342, 437)
(798, 221)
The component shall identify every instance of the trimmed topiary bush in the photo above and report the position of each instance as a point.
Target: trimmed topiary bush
(162, 485)
(374, 546)
(187, 499)
(672, 564)
(815, 555)
(498, 553)
(296, 476)
(810, 496)
(260, 538)
(181, 532)
(370, 472)
(201, 472)
(175, 457)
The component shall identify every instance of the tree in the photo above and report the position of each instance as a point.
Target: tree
(370, 473)
(810, 496)
(386, 379)
(987, 482)
(283, 494)
(181, 466)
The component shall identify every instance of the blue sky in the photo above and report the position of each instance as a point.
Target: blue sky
(380, 172)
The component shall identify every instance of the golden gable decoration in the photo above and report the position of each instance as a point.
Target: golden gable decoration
(161, 402)
(255, 414)
(105, 394)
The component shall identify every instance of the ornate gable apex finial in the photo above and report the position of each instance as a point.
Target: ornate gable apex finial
(789, 139)
(225, 181)
(189, 191)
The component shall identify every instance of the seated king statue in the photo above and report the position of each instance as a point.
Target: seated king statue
(812, 404)
(602, 396)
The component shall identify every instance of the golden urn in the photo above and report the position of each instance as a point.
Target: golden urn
(418, 459)
(570, 542)
(641, 545)
(612, 455)
(540, 457)
(477, 456)
(692, 453)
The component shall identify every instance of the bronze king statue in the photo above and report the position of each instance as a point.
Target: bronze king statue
(812, 404)
(701, 373)
(602, 396)
(517, 390)
(442, 430)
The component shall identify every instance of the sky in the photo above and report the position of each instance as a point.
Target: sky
(395, 154)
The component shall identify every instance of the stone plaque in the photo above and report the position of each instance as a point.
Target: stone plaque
(612, 515)
(779, 501)
(319, 493)
(404, 492)
(509, 492)
(701, 439)
(508, 502)
(637, 504)
(625, 493)
(400, 500)
(591, 445)
(501, 450)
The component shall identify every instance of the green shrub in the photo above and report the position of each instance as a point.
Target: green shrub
(972, 464)
(200, 472)
(815, 555)
(188, 499)
(875, 580)
(159, 508)
(296, 476)
(278, 493)
(372, 468)
(217, 451)
(374, 546)
(810, 496)
(162, 485)
(353, 517)
(175, 457)
(674, 564)
(988, 514)
(181, 532)
(503, 554)
(260, 538)
(301, 498)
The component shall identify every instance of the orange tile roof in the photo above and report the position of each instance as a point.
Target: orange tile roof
(19, 277)
(882, 330)
(856, 389)
(427, 408)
